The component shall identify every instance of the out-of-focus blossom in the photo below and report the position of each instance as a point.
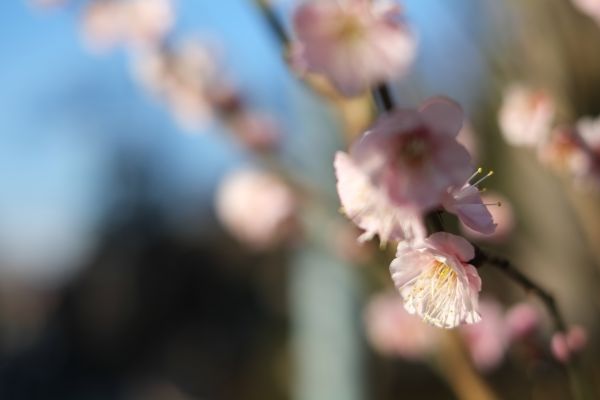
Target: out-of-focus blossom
(187, 77)
(255, 130)
(565, 345)
(501, 213)
(436, 281)
(589, 131)
(467, 204)
(589, 7)
(487, 341)
(355, 43)
(526, 115)
(413, 155)
(567, 151)
(137, 24)
(394, 332)
(522, 321)
(370, 208)
(257, 208)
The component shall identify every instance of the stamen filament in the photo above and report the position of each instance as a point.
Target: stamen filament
(479, 170)
(483, 178)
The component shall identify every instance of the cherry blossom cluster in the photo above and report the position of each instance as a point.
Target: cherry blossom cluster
(527, 118)
(184, 73)
(407, 166)
(356, 44)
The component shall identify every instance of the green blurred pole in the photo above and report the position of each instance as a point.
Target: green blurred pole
(326, 331)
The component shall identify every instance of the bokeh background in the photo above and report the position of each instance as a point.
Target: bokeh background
(117, 280)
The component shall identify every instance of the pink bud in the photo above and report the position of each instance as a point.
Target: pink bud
(565, 345)
(560, 348)
(522, 321)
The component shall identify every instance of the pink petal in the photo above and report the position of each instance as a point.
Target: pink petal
(443, 116)
(472, 212)
(560, 348)
(452, 244)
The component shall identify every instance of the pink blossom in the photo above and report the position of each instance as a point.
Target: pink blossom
(257, 131)
(413, 155)
(522, 320)
(526, 115)
(501, 213)
(137, 24)
(370, 208)
(565, 345)
(354, 43)
(256, 207)
(436, 281)
(589, 131)
(589, 7)
(468, 205)
(487, 340)
(567, 151)
(187, 77)
(392, 331)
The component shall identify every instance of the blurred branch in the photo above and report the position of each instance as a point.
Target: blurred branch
(454, 365)
(579, 386)
(273, 22)
(383, 98)
(529, 285)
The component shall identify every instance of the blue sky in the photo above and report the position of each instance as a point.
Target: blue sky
(66, 114)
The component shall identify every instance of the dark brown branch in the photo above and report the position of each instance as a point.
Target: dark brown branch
(383, 98)
(530, 286)
(273, 22)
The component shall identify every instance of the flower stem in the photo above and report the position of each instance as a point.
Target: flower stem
(529, 285)
(579, 387)
(383, 98)
(273, 22)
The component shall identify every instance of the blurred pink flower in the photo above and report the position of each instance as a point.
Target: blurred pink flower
(487, 341)
(522, 320)
(257, 208)
(257, 131)
(137, 24)
(565, 345)
(526, 115)
(370, 208)
(468, 205)
(589, 7)
(394, 332)
(567, 151)
(413, 155)
(354, 43)
(589, 131)
(187, 77)
(436, 281)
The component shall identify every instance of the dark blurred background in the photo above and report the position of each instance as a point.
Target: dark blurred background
(118, 282)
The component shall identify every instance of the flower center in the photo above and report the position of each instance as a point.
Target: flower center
(350, 29)
(435, 295)
(413, 150)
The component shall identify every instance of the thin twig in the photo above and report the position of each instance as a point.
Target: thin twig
(529, 285)
(579, 386)
(383, 98)
(273, 22)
